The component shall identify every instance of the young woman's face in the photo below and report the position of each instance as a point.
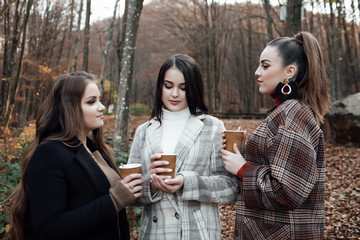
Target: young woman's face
(270, 71)
(92, 108)
(173, 90)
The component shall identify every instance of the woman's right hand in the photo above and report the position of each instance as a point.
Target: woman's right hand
(155, 168)
(134, 183)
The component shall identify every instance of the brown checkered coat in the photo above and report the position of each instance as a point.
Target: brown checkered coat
(282, 192)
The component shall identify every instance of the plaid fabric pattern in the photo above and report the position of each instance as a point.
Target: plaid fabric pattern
(192, 212)
(282, 192)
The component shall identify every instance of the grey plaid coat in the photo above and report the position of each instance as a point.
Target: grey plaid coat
(193, 211)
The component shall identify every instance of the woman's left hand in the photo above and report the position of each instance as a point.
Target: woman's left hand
(233, 161)
(223, 140)
(167, 185)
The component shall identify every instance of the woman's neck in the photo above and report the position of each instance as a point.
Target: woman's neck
(174, 116)
(82, 138)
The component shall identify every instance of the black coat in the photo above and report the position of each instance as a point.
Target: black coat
(68, 197)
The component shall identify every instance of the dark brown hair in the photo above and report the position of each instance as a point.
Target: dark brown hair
(304, 50)
(60, 118)
(193, 81)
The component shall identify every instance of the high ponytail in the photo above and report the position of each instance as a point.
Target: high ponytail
(304, 50)
(313, 88)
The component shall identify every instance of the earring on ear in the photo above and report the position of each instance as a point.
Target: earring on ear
(286, 89)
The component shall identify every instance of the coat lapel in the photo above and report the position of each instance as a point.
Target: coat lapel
(94, 172)
(187, 138)
(153, 133)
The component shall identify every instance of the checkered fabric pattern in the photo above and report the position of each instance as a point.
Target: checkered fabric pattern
(192, 212)
(282, 192)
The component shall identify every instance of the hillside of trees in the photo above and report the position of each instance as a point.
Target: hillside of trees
(42, 39)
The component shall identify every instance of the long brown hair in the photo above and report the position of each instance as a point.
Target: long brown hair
(60, 118)
(304, 50)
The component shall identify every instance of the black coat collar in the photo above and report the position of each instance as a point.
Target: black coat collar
(97, 176)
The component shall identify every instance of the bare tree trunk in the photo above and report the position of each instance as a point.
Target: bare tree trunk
(267, 7)
(62, 43)
(26, 106)
(17, 77)
(241, 64)
(123, 102)
(341, 74)
(120, 39)
(329, 25)
(312, 17)
(355, 64)
(293, 17)
(5, 70)
(85, 65)
(250, 98)
(77, 36)
(350, 62)
(70, 34)
(14, 45)
(349, 68)
(208, 75)
(107, 47)
(6, 6)
(121, 33)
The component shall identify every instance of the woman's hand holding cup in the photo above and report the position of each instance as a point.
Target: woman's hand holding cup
(131, 178)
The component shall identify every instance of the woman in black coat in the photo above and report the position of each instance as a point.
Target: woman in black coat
(71, 188)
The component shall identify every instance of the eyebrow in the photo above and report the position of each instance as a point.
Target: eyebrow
(265, 60)
(173, 83)
(90, 97)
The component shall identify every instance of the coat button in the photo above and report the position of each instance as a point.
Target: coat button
(154, 219)
(177, 215)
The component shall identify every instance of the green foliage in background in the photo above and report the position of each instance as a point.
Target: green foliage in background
(10, 167)
(139, 109)
(121, 154)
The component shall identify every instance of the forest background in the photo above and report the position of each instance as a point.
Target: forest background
(42, 39)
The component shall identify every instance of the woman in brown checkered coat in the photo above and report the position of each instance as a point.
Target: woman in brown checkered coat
(282, 171)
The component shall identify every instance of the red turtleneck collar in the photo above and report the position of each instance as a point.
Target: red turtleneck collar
(276, 99)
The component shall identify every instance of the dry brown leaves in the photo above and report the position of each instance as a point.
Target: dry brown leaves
(342, 193)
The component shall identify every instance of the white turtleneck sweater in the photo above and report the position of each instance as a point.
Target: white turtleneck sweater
(172, 125)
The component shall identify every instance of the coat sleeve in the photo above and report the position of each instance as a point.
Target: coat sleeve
(220, 186)
(47, 197)
(136, 156)
(289, 178)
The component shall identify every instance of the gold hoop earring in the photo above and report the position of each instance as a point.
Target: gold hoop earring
(286, 86)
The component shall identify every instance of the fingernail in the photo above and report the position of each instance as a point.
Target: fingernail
(166, 181)
(169, 170)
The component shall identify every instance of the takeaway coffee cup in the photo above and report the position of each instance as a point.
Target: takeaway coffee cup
(233, 136)
(171, 158)
(127, 169)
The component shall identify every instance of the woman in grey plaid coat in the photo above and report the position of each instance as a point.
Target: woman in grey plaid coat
(282, 173)
(185, 207)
